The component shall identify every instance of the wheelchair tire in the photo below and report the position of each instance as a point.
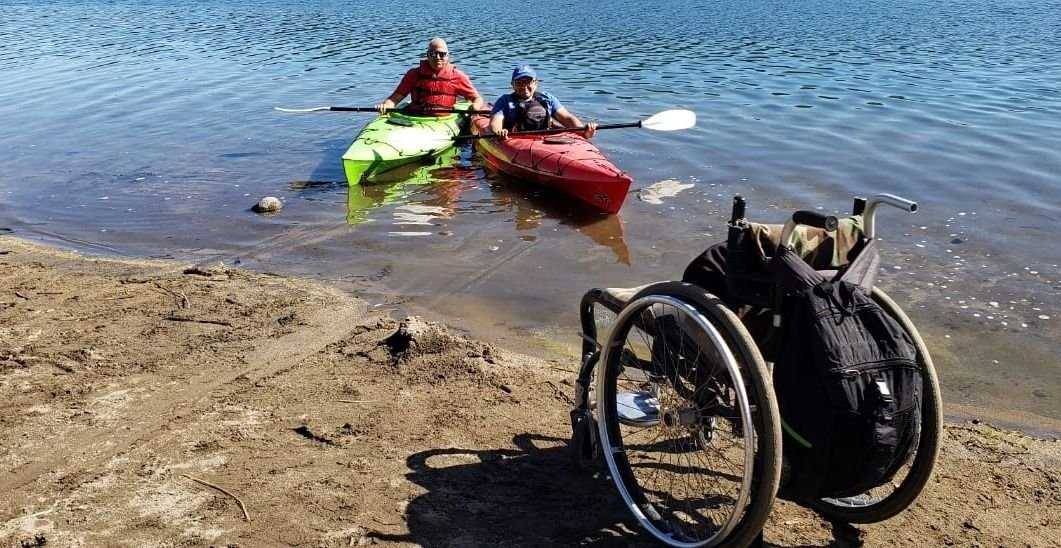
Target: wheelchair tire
(704, 469)
(885, 501)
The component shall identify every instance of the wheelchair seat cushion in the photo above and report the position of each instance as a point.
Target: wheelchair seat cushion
(820, 249)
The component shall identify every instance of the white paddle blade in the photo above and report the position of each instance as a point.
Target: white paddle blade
(314, 109)
(671, 120)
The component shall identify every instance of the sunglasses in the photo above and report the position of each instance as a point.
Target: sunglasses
(437, 54)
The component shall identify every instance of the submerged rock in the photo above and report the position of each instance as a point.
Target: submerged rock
(268, 204)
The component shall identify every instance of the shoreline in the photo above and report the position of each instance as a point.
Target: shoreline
(146, 401)
(1026, 423)
(544, 347)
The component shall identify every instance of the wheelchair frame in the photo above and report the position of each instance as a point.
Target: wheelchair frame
(682, 408)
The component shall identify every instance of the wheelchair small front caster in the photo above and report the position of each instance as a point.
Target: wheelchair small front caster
(584, 447)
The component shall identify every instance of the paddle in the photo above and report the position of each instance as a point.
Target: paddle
(373, 109)
(668, 120)
(425, 139)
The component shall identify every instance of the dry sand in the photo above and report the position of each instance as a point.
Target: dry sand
(161, 404)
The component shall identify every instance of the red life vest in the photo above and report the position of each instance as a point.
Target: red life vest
(434, 90)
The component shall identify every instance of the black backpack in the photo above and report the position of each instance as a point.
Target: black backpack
(847, 383)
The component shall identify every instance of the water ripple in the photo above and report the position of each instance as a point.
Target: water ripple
(148, 128)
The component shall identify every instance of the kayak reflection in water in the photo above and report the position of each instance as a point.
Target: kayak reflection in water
(527, 109)
(439, 183)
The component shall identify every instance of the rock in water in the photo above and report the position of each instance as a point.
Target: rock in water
(268, 204)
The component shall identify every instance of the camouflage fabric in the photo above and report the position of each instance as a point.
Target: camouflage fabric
(817, 247)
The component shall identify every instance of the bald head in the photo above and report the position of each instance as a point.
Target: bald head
(437, 54)
(437, 44)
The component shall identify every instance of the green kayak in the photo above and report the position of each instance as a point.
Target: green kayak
(395, 139)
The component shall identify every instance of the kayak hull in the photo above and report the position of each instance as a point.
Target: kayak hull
(394, 139)
(567, 162)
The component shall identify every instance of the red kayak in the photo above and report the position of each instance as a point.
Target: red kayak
(565, 161)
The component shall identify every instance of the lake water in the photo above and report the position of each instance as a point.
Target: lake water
(147, 129)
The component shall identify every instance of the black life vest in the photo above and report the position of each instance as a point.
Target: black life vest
(533, 114)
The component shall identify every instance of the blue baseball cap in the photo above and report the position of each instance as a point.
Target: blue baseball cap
(524, 71)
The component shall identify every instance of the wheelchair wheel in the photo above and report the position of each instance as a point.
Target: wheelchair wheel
(885, 501)
(687, 417)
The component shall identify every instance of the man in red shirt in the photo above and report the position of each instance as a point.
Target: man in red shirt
(435, 85)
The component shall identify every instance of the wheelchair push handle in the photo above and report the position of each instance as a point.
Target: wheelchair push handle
(829, 222)
(870, 214)
(815, 219)
(809, 218)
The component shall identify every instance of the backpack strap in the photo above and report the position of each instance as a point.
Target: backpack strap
(792, 272)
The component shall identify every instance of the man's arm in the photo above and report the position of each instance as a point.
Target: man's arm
(404, 87)
(565, 117)
(497, 124)
(467, 90)
(389, 102)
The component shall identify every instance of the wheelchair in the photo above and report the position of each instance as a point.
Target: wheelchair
(677, 398)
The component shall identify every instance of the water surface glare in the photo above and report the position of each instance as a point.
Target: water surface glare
(147, 128)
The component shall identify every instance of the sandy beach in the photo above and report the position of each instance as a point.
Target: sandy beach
(165, 404)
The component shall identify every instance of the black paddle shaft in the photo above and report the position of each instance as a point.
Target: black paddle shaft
(552, 131)
(410, 111)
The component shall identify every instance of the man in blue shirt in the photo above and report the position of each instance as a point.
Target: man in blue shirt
(527, 109)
